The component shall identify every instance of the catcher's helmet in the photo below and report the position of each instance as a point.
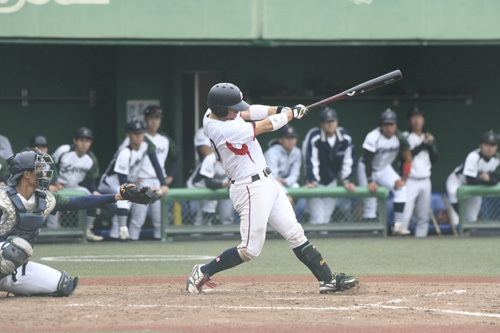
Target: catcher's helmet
(388, 117)
(136, 126)
(224, 96)
(29, 160)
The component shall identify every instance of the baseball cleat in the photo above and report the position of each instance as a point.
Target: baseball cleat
(399, 230)
(123, 234)
(91, 237)
(197, 280)
(340, 282)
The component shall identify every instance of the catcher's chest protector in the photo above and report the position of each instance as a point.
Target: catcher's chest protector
(27, 224)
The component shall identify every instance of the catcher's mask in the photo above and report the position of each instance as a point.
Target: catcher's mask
(31, 160)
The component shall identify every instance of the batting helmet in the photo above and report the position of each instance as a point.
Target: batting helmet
(225, 96)
(136, 126)
(29, 160)
(388, 117)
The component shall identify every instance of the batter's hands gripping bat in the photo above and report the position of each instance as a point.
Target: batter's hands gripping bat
(362, 88)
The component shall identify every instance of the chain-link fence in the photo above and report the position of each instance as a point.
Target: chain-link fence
(479, 207)
(320, 209)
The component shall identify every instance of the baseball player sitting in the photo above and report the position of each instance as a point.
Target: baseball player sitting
(164, 147)
(75, 165)
(232, 127)
(24, 205)
(418, 186)
(328, 155)
(381, 147)
(481, 167)
(209, 174)
(202, 144)
(124, 168)
(284, 158)
(5, 147)
(40, 142)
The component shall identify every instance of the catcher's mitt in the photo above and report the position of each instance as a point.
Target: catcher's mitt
(139, 194)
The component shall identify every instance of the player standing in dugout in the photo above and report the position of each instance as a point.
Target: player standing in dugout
(232, 127)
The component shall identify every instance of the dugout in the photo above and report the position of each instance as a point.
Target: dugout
(65, 66)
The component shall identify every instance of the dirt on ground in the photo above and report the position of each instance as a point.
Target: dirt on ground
(262, 304)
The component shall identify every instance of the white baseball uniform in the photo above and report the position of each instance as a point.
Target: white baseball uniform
(256, 195)
(475, 164)
(419, 187)
(386, 151)
(147, 177)
(211, 168)
(5, 147)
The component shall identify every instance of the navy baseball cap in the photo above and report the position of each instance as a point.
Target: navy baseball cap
(38, 140)
(388, 117)
(153, 111)
(136, 126)
(414, 111)
(288, 131)
(328, 114)
(490, 138)
(84, 132)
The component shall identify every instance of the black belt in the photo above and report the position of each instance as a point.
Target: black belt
(256, 177)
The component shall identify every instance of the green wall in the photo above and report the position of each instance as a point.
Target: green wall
(120, 73)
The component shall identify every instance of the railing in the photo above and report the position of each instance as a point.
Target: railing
(172, 218)
(71, 223)
(487, 204)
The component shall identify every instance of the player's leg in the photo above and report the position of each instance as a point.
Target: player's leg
(208, 208)
(409, 210)
(321, 209)
(123, 208)
(138, 214)
(282, 218)
(472, 208)
(156, 219)
(387, 177)
(452, 185)
(35, 279)
(369, 204)
(253, 202)
(422, 207)
(226, 211)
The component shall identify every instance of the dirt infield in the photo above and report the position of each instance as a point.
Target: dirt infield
(262, 304)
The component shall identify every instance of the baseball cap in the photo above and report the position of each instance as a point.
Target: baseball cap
(136, 126)
(388, 117)
(414, 111)
(38, 140)
(84, 132)
(328, 114)
(153, 110)
(288, 131)
(490, 138)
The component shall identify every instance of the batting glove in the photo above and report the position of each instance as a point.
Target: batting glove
(299, 111)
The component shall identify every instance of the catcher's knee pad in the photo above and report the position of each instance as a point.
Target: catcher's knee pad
(66, 285)
(15, 252)
(245, 255)
(297, 238)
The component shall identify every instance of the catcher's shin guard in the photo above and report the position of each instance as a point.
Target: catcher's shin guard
(66, 285)
(15, 253)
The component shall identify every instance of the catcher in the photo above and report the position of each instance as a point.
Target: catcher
(24, 206)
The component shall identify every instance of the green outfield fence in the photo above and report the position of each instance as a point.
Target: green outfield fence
(173, 218)
(70, 224)
(489, 213)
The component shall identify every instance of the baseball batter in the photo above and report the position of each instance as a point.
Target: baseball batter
(481, 167)
(24, 205)
(77, 165)
(256, 195)
(419, 187)
(124, 168)
(381, 147)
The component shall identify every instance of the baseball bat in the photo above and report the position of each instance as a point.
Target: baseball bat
(450, 215)
(377, 82)
(434, 221)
